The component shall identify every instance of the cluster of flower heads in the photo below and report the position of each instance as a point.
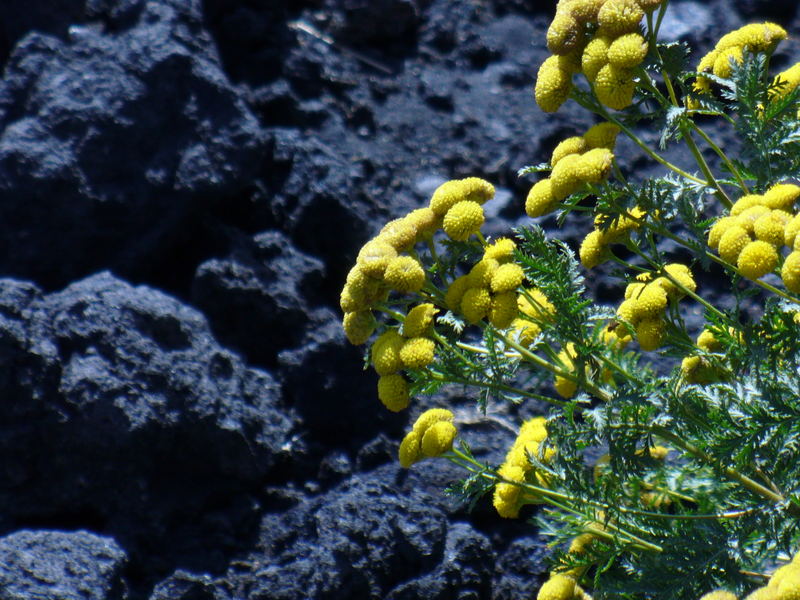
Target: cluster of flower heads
(432, 435)
(756, 229)
(784, 584)
(608, 231)
(755, 37)
(576, 162)
(517, 469)
(699, 368)
(600, 38)
(385, 264)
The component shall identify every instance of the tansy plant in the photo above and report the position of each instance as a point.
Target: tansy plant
(667, 464)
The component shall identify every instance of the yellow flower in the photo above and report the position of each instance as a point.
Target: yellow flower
(762, 593)
(723, 65)
(791, 231)
(732, 243)
(759, 37)
(789, 587)
(564, 34)
(360, 290)
(651, 303)
(632, 290)
(782, 196)
(602, 135)
(613, 228)
(781, 574)
(628, 51)
(595, 56)
(595, 165)
(790, 272)
(429, 417)
(537, 307)
(438, 439)
(650, 334)
(393, 392)
(446, 196)
(477, 190)
(770, 227)
(747, 219)
(566, 388)
(593, 249)
(506, 498)
(682, 275)
(565, 178)
(745, 202)
(506, 278)
(553, 85)
(585, 11)
(419, 320)
(482, 272)
(502, 250)
(386, 353)
(358, 326)
(503, 310)
(540, 200)
(404, 274)
(425, 221)
(785, 82)
(410, 449)
(571, 145)
(617, 17)
(615, 87)
(558, 587)
(650, 5)
(720, 227)
(475, 304)
(719, 595)
(525, 332)
(417, 353)
(400, 234)
(708, 342)
(455, 293)
(375, 256)
(463, 219)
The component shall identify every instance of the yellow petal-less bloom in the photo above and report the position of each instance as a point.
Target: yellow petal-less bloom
(404, 274)
(417, 353)
(564, 34)
(540, 200)
(602, 135)
(446, 196)
(745, 202)
(757, 259)
(425, 221)
(429, 417)
(723, 65)
(565, 177)
(503, 310)
(684, 278)
(650, 5)
(632, 290)
(593, 249)
(781, 573)
(476, 304)
(375, 256)
(785, 82)
(359, 326)
(617, 17)
(719, 595)
(455, 293)
(615, 87)
(571, 145)
(438, 439)
(535, 305)
(525, 331)
(762, 593)
(506, 278)
(770, 227)
(732, 243)
(585, 11)
(400, 234)
(627, 310)
(628, 51)
(747, 219)
(790, 272)
(791, 231)
(462, 220)
(789, 587)
(594, 166)
(419, 320)
(782, 196)
(558, 587)
(502, 250)
(566, 388)
(759, 37)
(650, 334)
(393, 392)
(707, 341)
(595, 56)
(651, 303)
(385, 353)
(553, 85)
(410, 449)
(506, 498)
(720, 227)
(482, 272)
(477, 190)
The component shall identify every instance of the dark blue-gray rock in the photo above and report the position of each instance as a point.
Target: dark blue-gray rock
(258, 298)
(115, 144)
(61, 565)
(183, 585)
(122, 409)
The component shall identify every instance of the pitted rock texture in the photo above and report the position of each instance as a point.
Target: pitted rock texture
(185, 184)
(59, 565)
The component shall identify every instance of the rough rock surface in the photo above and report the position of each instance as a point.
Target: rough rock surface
(184, 185)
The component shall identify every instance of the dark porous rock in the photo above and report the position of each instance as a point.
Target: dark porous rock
(113, 144)
(183, 585)
(59, 565)
(521, 567)
(130, 416)
(381, 21)
(257, 298)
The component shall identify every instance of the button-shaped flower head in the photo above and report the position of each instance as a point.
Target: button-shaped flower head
(540, 200)
(385, 352)
(463, 219)
(417, 353)
(602, 135)
(375, 256)
(404, 274)
(503, 310)
(393, 392)
(419, 320)
(564, 34)
(571, 145)
(628, 51)
(615, 87)
(595, 56)
(359, 326)
(558, 587)
(790, 272)
(553, 85)
(438, 439)
(502, 250)
(732, 243)
(507, 277)
(617, 17)
(476, 304)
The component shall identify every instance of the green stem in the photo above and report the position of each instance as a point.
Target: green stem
(719, 152)
(698, 156)
(499, 387)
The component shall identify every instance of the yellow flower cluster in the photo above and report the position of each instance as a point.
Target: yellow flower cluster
(593, 250)
(432, 435)
(509, 497)
(560, 587)
(601, 38)
(755, 37)
(646, 303)
(575, 162)
(783, 585)
(719, 595)
(698, 369)
(534, 309)
(758, 226)
(788, 81)
(489, 289)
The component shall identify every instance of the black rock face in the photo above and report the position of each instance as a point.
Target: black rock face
(183, 187)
